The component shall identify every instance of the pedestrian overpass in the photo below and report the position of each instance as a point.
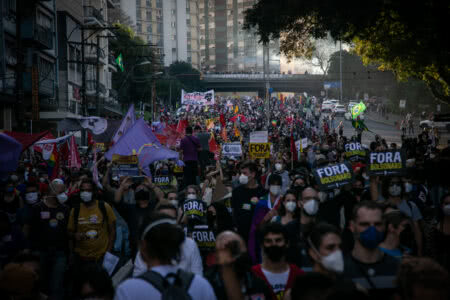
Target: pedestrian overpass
(294, 83)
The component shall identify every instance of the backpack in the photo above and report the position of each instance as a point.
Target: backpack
(176, 291)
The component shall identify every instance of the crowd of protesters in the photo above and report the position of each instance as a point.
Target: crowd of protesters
(232, 227)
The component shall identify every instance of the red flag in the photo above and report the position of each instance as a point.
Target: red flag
(214, 147)
(90, 138)
(181, 127)
(293, 148)
(74, 157)
(222, 120)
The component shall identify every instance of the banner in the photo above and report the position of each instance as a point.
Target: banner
(232, 149)
(333, 176)
(386, 163)
(124, 165)
(354, 152)
(95, 124)
(162, 181)
(259, 137)
(127, 123)
(204, 237)
(259, 150)
(194, 209)
(101, 147)
(197, 98)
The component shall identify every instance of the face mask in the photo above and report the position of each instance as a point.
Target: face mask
(174, 202)
(86, 196)
(14, 178)
(210, 217)
(333, 262)
(311, 207)
(408, 187)
(62, 198)
(42, 179)
(191, 197)
(275, 190)
(274, 253)
(278, 167)
(395, 190)
(446, 210)
(371, 237)
(243, 179)
(290, 206)
(31, 198)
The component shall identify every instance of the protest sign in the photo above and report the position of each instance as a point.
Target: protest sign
(259, 137)
(259, 150)
(197, 98)
(232, 149)
(162, 181)
(387, 163)
(333, 176)
(204, 237)
(124, 165)
(100, 147)
(354, 151)
(194, 208)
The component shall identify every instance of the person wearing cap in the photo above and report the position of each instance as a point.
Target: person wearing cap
(48, 236)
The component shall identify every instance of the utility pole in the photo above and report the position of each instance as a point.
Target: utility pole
(20, 66)
(340, 69)
(97, 81)
(266, 82)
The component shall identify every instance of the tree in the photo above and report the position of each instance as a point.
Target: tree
(321, 54)
(406, 38)
(187, 75)
(134, 84)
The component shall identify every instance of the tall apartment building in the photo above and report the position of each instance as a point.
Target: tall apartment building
(172, 26)
(225, 46)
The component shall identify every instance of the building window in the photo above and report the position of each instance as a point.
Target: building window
(46, 69)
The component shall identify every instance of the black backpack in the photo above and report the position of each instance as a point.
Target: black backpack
(178, 290)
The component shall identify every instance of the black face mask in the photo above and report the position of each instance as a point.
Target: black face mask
(211, 218)
(275, 253)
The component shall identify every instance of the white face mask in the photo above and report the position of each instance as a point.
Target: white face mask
(275, 190)
(42, 179)
(278, 166)
(395, 190)
(311, 207)
(14, 178)
(86, 196)
(290, 206)
(243, 179)
(333, 262)
(408, 187)
(31, 198)
(446, 209)
(191, 197)
(174, 202)
(207, 197)
(62, 198)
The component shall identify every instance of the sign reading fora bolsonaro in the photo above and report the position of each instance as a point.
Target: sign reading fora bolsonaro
(387, 163)
(333, 176)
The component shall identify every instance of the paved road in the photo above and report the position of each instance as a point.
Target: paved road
(388, 132)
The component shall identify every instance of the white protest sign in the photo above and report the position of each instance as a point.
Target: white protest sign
(259, 137)
(304, 143)
(232, 149)
(298, 144)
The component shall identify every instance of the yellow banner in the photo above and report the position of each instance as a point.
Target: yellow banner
(124, 159)
(259, 150)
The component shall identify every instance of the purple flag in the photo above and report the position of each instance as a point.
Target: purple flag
(131, 142)
(9, 154)
(126, 124)
(150, 153)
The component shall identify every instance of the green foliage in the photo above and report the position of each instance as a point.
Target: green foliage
(407, 38)
(187, 75)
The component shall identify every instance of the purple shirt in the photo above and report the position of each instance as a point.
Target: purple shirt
(190, 144)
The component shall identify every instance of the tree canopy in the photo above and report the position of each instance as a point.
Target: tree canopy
(187, 75)
(405, 37)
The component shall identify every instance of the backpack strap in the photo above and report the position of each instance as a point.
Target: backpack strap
(186, 279)
(76, 214)
(101, 206)
(155, 279)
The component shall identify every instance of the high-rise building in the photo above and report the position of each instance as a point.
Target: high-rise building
(225, 46)
(172, 26)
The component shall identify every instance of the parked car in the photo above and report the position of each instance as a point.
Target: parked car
(339, 110)
(441, 122)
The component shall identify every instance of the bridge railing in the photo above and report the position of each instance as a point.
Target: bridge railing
(259, 76)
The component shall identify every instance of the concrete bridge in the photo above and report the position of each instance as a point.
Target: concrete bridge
(295, 83)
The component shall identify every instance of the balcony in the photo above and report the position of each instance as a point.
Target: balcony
(46, 87)
(90, 55)
(48, 104)
(40, 36)
(8, 85)
(91, 87)
(93, 16)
